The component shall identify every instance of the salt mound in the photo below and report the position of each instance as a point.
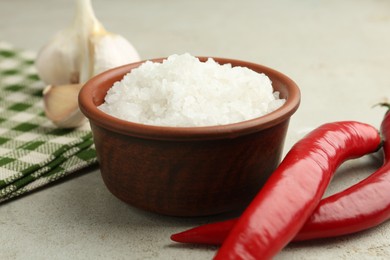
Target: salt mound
(182, 91)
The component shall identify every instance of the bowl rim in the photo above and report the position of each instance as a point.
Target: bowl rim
(88, 106)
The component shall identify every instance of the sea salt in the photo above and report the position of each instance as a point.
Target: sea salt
(182, 91)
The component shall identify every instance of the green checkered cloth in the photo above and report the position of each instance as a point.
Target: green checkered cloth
(33, 152)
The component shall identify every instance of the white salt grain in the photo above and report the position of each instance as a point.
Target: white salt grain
(182, 91)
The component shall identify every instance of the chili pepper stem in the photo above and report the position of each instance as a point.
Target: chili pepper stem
(383, 104)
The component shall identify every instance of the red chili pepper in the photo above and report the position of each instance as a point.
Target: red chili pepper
(295, 188)
(208, 234)
(293, 191)
(366, 204)
(360, 207)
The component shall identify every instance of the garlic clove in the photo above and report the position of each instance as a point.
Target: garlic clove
(74, 120)
(61, 105)
(111, 50)
(58, 62)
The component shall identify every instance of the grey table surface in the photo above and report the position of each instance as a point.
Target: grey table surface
(338, 52)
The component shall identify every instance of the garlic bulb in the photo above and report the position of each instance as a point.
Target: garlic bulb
(77, 53)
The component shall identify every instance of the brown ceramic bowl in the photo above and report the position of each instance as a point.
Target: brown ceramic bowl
(187, 171)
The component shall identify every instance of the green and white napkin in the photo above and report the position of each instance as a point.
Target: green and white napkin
(33, 152)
